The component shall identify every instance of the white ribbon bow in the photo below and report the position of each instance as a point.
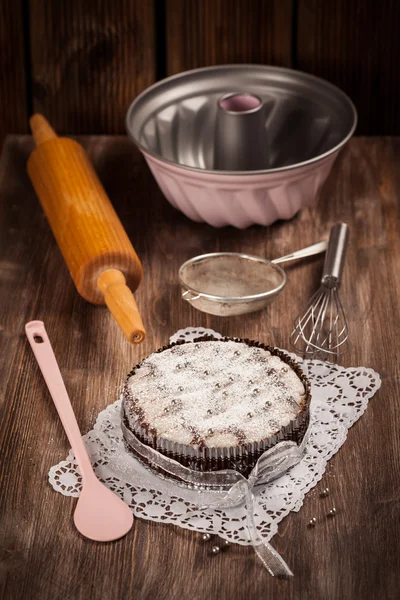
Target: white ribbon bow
(272, 464)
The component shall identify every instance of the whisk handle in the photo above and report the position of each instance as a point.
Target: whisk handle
(335, 255)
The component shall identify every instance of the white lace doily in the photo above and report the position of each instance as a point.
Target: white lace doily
(339, 397)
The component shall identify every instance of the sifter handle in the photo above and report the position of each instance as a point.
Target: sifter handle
(309, 251)
(335, 255)
(122, 304)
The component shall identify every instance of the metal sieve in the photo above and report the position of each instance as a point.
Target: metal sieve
(233, 283)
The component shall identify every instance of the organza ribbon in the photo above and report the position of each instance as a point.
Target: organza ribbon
(235, 488)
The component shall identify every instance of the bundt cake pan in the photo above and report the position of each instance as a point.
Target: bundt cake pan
(177, 124)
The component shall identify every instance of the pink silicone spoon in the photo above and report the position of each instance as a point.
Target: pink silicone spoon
(99, 515)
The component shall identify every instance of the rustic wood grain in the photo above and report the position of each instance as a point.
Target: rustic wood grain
(214, 32)
(355, 45)
(89, 61)
(13, 100)
(82, 63)
(354, 556)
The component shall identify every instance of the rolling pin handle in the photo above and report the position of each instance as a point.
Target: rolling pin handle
(41, 129)
(122, 304)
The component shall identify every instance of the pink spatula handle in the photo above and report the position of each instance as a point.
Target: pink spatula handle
(41, 346)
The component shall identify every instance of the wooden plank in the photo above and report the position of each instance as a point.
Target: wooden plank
(42, 557)
(215, 32)
(90, 60)
(355, 45)
(13, 104)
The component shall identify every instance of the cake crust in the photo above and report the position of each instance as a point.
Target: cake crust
(217, 405)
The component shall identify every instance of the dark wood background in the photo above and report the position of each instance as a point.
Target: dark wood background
(82, 63)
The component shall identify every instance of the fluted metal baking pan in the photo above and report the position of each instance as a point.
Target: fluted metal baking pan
(308, 121)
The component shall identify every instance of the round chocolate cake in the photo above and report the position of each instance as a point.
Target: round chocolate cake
(216, 404)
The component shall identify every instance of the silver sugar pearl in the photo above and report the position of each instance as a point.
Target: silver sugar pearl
(217, 385)
(206, 372)
(166, 409)
(268, 403)
(251, 382)
(312, 522)
(256, 391)
(178, 367)
(332, 512)
(226, 543)
(325, 493)
(209, 412)
(236, 353)
(231, 378)
(210, 431)
(284, 370)
(174, 401)
(181, 388)
(225, 393)
(215, 549)
(206, 537)
(250, 415)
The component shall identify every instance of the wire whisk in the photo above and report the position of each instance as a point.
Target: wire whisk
(322, 328)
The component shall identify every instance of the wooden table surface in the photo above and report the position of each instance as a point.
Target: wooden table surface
(355, 555)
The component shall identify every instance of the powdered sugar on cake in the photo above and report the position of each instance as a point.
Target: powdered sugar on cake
(213, 394)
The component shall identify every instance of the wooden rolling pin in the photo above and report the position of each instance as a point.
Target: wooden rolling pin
(99, 256)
